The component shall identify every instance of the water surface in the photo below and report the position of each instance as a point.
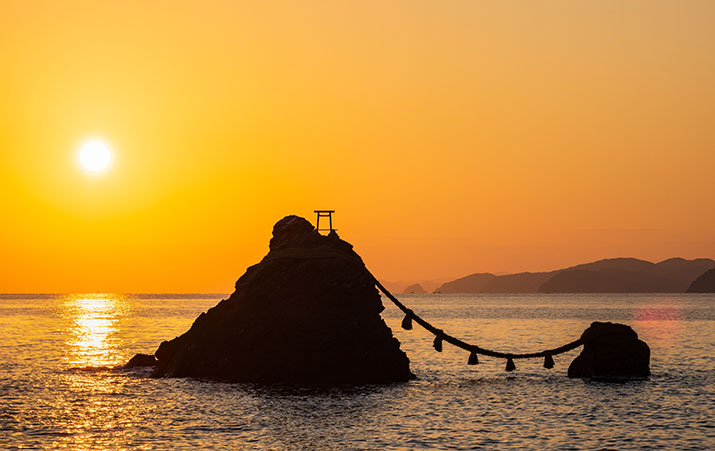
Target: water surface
(58, 389)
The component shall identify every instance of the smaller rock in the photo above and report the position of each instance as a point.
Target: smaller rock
(611, 351)
(141, 360)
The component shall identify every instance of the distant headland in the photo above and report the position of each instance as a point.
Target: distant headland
(703, 284)
(613, 275)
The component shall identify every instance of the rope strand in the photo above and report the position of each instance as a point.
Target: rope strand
(473, 349)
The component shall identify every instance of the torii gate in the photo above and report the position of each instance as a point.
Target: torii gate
(325, 214)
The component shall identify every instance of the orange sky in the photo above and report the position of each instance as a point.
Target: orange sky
(451, 137)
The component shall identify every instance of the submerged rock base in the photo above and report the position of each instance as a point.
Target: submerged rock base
(307, 313)
(611, 351)
(141, 361)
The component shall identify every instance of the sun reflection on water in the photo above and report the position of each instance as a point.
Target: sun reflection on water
(660, 321)
(92, 338)
(91, 411)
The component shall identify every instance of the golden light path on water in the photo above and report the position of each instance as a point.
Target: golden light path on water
(93, 339)
(93, 343)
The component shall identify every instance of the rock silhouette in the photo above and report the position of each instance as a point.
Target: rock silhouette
(308, 313)
(141, 360)
(611, 351)
(703, 284)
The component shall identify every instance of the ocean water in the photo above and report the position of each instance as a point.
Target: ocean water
(58, 388)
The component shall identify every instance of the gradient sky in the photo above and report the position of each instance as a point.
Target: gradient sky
(451, 137)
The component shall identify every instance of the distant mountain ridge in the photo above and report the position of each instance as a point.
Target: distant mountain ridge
(613, 275)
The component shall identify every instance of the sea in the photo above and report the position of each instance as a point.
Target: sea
(60, 387)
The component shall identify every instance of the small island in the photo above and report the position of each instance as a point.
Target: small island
(415, 288)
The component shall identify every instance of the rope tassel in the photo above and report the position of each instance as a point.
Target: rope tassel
(441, 336)
(407, 322)
(437, 343)
(548, 361)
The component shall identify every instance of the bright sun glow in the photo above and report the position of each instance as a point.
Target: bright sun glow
(95, 156)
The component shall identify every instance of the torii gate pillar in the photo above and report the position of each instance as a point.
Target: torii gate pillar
(325, 214)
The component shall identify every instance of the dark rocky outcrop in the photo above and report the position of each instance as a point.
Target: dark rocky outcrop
(415, 288)
(308, 313)
(611, 351)
(703, 284)
(141, 360)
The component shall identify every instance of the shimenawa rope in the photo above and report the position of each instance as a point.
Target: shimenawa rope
(474, 350)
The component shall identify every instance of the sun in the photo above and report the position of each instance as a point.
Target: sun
(95, 156)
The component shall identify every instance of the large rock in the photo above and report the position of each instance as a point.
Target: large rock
(703, 284)
(307, 313)
(611, 351)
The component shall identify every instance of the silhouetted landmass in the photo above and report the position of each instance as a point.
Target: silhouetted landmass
(415, 288)
(615, 275)
(526, 282)
(307, 313)
(606, 281)
(400, 286)
(703, 284)
(628, 275)
(473, 283)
